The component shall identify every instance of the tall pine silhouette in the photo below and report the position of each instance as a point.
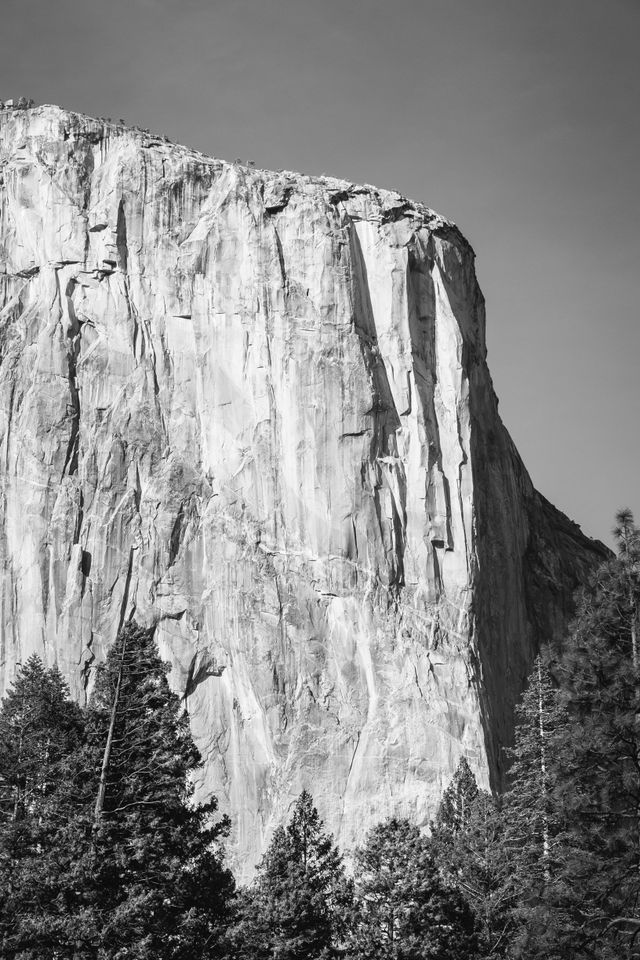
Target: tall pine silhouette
(296, 907)
(535, 822)
(404, 908)
(600, 775)
(153, 852)
(131, 867)
(468, 844)
(41, 729)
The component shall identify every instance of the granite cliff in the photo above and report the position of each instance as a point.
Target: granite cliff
(253, 410)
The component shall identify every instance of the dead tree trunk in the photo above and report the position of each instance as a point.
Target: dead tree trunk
(106, 757)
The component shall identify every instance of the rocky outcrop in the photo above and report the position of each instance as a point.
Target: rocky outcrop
(253, 409)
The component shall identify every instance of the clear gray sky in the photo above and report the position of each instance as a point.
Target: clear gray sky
(517, 119)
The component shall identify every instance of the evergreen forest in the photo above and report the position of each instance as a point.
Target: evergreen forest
(104, 855)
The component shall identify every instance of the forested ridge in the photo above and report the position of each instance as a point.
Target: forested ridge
(105, 856)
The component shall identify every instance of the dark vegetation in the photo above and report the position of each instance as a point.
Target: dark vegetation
(104, 856)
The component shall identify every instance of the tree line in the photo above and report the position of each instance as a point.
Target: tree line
(105, 856)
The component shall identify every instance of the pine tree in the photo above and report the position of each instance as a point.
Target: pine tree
(132, 870)
(600, 776)
(468, 844)
(484, 874)
(40, 728)
(531, 803)
(404, 908)
(628, 541)
(296, 906)
(535, 821)
(457, 802)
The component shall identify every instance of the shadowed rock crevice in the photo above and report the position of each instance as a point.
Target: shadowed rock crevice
(385, 422)
(73, 352)
(121, 238)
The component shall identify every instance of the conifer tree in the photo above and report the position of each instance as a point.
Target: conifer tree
(535, 820)
(39, 726)
(404, 908)
(133, 869)
(600, 775)
(468, 844)
(541, 725)
(628, 541)
(457, 802)
(40, 729)
(296, 906)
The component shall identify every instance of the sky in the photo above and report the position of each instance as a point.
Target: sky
(517, 119)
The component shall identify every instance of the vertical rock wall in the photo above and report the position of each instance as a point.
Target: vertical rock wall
(253, 409)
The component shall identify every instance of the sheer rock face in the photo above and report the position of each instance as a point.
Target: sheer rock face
(253, 409)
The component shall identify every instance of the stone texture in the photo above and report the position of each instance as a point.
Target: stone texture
(253, 409)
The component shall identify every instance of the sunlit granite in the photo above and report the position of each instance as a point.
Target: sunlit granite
(253, 409)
